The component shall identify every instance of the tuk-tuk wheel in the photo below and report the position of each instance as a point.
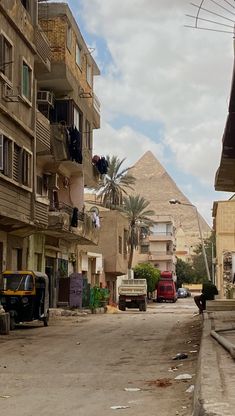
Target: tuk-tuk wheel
(12, 323)
(45, 320)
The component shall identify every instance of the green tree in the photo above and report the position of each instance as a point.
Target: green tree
(149, 272)
(115, 184)
(135, 208)
(185, 273)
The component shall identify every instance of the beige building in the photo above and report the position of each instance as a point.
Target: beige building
(157, 246)
(224, 225)
(48, 114)
(112, 246)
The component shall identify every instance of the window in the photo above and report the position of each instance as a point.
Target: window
(15, 162)
(77, 119)
(26, 168)
(144, 249)
(69, 37)
(78, 55)
(89, 74)
(5, 155)
(120, 245)
(25, 3)
(26, 81)
(6, 57)
(39, 189)
(88, 135)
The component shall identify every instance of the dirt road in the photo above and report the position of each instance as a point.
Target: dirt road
(81, 366)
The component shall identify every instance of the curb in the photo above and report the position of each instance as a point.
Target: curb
(57, 312)
(209, 397)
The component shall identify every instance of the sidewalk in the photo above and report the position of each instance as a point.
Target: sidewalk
(215, 384)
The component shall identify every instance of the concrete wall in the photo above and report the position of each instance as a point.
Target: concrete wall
(225, 237)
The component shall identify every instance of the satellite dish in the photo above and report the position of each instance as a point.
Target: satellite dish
(95, 209)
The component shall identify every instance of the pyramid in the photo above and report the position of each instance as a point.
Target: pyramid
(156, 186)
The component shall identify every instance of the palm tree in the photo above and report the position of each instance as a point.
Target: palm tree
(115, 183)
(138, 217)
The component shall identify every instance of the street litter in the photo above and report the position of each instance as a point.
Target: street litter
(190, 389)
(119, 407)
(180, 356)
(132, 389)
(189, 341)
(77, 343)
(183, 377)
(173, 369)
(193, 351)
(162, 382)
(5, 397)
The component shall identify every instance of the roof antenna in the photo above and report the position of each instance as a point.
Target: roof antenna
(213, 15)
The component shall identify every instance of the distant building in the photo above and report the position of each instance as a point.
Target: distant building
(157, 245)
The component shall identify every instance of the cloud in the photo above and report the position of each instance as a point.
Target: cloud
(124, 142)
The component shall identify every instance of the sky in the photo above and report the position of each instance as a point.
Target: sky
(163, 87)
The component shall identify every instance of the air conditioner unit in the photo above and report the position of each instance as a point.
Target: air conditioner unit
(45, 97)
(53, 182)
(10, 93)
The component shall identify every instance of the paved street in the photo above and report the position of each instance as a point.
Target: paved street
(82, 365)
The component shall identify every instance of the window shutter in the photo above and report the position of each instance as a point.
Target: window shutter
(1, 53)
(1, 151)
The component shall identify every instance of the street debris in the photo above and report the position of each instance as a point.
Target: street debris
(132, 389)
(183, 377)
(190, 389)
(119, 407)
(78, 343)
(180, 356)
(172, 369)
(193, 351)
(5, 397)
(112, 309)
(160, 382)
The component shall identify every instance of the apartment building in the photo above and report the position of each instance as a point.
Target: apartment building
(110, 256)
(48, 113)
(157, 244)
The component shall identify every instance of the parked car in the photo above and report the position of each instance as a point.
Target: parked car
(182, 293)
(188, 292)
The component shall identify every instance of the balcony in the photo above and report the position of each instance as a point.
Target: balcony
(161, 255)
(59, 225)
(96, 108)
(161, 236)
(43, 59)
(43, 134)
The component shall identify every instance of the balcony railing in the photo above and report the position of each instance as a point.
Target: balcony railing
(43, 47)
(43, 133)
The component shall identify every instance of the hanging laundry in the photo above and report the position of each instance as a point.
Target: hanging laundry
(74, 220)
(102, 165)
(75, 145)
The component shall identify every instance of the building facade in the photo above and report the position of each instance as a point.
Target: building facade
(224, 225)
(48, 113)
(157, 245)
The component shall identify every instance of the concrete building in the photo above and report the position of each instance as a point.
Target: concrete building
(48, 113)
(112, 246)
(157, 245)
(224, 225)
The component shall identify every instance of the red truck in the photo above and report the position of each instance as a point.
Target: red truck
(166, 290)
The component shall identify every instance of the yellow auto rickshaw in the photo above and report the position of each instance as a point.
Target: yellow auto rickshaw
(25, 295)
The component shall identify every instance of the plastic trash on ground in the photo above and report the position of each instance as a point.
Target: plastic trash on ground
(180, 356)
(183, 377)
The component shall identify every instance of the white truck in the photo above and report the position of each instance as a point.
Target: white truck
(133, 294)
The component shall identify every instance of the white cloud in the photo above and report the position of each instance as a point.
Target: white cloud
(163, 73)
(166, 73)
(124, 142)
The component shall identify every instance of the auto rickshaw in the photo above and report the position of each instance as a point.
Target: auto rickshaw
(25, 295)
